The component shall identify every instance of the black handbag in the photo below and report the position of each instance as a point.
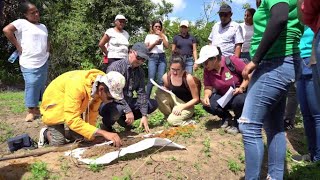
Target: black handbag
(21, 142)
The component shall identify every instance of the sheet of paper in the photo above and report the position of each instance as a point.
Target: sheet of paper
(109, 157)
(223, 101)
(154, 83)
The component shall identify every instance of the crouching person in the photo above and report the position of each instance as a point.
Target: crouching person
(220, 73)
(72, 100)
(131, 108)
(179, 107)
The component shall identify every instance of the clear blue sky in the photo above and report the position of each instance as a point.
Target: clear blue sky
(192, 10)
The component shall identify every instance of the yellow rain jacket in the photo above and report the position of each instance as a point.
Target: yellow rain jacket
(67, 97)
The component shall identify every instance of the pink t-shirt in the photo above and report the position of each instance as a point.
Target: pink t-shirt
(226, 78)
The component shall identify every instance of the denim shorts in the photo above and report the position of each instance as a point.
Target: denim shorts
(35, 81)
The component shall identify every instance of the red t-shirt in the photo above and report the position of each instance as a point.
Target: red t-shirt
(226, 78)
(311, 14)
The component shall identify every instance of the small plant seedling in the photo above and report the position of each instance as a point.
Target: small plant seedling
(234, 166)
(39, 170)
(206, 148)
(172, 158)
(95, 167)
(221, 132)
(197, 166)
(241, 158)
(169, 175)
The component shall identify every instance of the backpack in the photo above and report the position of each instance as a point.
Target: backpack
(231, 65)
(184, 80)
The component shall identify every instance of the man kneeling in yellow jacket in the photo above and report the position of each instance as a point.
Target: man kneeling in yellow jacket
(72, 100)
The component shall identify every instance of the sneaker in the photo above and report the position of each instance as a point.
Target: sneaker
(233, 130)
(299, 159)
(225, 124)
(42, 138)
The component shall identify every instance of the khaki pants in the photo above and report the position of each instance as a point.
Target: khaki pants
(166, 104)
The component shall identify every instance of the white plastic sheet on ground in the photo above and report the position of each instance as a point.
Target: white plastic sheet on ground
(137, 147)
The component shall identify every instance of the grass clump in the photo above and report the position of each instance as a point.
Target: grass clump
(95, 167)
(39, 171)
(234, 166)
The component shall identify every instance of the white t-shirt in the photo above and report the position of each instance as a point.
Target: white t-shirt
(152, 38)
(118, 43)
(247, 32)
(226, 37)
(33, 39)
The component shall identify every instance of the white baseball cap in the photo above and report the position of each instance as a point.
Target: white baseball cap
(207, 52)
(120, 16)
(115, 81)
(184, 23)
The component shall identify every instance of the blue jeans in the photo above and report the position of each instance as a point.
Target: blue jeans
(310, 111)
(35, 80)
(264, 106)
(157, 65)
(189, 64)
(316, 68)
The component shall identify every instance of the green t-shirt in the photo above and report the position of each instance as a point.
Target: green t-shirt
(288, 41)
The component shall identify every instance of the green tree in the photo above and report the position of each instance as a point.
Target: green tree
(76, 26)
(246, 6)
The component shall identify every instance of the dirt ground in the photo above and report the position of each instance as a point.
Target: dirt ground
(222, 160)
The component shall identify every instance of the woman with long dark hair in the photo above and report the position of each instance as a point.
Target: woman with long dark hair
(156, 41)
(178, 107)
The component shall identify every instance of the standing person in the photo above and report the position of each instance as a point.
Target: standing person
(308, 103)
(71, 95)
(178, 108)
(157, 64)
(31, 40)
(311, 16)
(247, 33)
(130, 108)
(226, 34)
(274, 65)
(218, 78)
(114, 42)
(185, 44)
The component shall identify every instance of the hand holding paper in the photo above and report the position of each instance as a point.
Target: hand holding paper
(223, 101)
(160, 87)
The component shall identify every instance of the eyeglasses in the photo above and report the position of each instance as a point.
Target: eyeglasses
(175, 70)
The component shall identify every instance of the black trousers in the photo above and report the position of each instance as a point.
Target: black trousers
(113, 112)
(235, 104)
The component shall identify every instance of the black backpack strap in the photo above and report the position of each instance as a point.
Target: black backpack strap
(230, 64)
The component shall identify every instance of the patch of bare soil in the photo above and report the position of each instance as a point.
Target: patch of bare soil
(210, 154)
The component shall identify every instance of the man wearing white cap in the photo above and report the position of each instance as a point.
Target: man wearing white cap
(220, 74)
(72, 94)
(185, 44)
(115, 41)
(226, 34)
